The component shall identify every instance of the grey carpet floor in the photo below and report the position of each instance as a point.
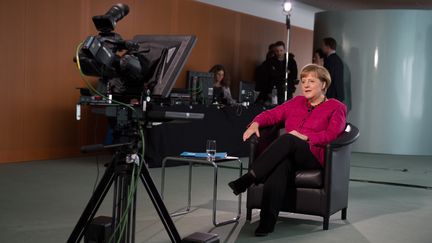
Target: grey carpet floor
(390, 201)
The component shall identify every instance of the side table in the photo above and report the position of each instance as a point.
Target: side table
(203, 161)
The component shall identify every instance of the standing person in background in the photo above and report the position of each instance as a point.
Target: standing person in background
(262, 84)
(333, 63)
(276, 72)
(292, 75)
(273, 72)
(271, 51)
(318, 57)
(221, 85)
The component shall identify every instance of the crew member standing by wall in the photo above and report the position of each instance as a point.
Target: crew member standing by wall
(333, 63)
(272, 74)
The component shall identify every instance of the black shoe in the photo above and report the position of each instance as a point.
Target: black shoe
(263, 231)
(241, 184)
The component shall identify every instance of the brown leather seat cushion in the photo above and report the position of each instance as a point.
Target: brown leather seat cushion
(309, 179)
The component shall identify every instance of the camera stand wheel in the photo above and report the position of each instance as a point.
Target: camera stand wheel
(118, 172)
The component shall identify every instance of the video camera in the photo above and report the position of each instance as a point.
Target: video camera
(134, 72)
(147, 64)
(138, 70)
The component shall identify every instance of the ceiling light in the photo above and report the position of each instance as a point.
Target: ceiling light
(287, 6)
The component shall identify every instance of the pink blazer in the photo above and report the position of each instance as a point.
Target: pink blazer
(322, 125)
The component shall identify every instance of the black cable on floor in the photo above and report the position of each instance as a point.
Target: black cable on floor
(393, 184)
(379, 168)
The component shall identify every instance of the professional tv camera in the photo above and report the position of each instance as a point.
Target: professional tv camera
(138, 70)
(147, 64)
(108, 56)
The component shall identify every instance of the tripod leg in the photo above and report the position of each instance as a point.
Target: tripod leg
(93, 205)
(133, 218)
(159, 205)
(123, 215)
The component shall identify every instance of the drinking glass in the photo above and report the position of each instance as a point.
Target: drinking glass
(211, 150)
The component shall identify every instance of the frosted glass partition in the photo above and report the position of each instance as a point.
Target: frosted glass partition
(388, 66)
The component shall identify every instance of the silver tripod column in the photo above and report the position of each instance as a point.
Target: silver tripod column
(287, 7)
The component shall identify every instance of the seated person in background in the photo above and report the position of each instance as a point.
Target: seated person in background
(221, 89)
(311, 122)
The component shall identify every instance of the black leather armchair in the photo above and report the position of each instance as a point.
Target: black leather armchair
(316, 192)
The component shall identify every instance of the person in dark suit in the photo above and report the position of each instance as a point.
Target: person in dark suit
(333, 63)
(272, 74)
(262, 84)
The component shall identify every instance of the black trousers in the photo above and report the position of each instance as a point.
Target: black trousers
(276, 168)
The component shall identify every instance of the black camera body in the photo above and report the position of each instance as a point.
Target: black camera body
(108, 56)
(133, 71)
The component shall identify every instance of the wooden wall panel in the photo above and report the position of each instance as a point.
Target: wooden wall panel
(193, 19)
(49, 49)
(12, 78)
(154, 17)
(39, 79)
(222, 40)
(41, 70)
(301, 43)
(255, 36)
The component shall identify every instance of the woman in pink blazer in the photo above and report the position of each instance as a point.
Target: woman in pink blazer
(311, 122)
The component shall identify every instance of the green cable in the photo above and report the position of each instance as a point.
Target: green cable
(90, 86)
(135, 173)
(135, 177)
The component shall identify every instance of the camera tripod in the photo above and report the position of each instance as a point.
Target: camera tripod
(118, 172)
(123, 174)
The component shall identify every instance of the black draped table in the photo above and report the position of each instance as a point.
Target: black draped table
(223, 124)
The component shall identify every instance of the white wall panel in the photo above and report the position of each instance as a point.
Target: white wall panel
(388, 57)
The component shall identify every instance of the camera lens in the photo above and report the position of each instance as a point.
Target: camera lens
(107, 22)
(117, 12)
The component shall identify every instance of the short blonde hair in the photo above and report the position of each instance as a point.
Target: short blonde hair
(320, 72)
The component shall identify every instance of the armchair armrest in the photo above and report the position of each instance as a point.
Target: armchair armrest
(253, 139)
(350, 135)
(337, 168)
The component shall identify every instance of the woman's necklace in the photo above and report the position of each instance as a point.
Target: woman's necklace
(312, 107)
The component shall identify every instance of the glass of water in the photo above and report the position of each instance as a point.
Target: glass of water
(211, 150)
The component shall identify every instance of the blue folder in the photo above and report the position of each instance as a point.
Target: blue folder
(221, 155)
